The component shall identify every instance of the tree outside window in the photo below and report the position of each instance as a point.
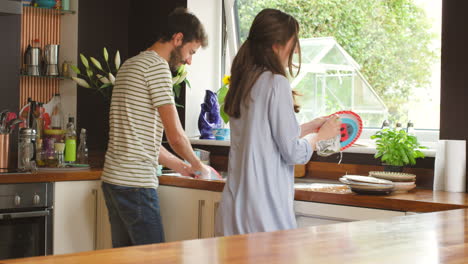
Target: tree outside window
(392, 41)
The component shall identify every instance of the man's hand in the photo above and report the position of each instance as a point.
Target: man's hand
(169, 160)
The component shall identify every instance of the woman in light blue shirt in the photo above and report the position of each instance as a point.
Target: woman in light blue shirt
(266, 140)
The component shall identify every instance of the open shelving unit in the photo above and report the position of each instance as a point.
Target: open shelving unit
(42, 24)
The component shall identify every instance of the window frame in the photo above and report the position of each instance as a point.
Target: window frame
(427, 137)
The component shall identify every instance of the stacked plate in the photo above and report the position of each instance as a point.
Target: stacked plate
(403, 181)
(367, 185)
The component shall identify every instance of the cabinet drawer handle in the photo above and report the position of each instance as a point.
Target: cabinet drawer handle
(95, 193)
(215, 209)
(201, 204)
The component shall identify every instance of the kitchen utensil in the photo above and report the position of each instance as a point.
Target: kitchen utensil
(366, 179)
(51, 54)
(365, 184)
(3, 116)
(4, 150)
(393, 176)
(359, 190)
(11, 124)
(26, 149)
(402, 187)
(32, 59)
(351, 128)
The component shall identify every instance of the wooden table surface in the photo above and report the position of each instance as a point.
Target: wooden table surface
(439, 237)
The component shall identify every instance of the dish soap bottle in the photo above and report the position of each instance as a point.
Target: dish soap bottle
(82, 154)
(70, 141)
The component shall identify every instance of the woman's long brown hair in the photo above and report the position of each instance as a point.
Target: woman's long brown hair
(256, 56)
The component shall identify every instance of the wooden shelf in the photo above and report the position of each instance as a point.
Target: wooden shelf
(46, 76)
(59, 11)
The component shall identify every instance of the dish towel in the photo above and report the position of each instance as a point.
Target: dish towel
(450, 166)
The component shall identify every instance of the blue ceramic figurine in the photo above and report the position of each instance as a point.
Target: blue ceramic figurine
(209, 116)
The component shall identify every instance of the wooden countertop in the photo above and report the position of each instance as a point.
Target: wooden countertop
(418, 200)
(425, 238)
(42, 176)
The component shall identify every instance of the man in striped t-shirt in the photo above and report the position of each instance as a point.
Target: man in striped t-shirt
(142, 108)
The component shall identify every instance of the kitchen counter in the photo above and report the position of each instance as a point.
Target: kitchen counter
(418, 200)
(437, 237)
(47, 176)
(425, 238)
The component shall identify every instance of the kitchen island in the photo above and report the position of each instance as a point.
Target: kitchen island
(438, 237)
(434, 237)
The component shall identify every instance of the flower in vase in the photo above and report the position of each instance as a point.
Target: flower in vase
(98, 76)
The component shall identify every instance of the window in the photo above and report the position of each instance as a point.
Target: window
(380, 59)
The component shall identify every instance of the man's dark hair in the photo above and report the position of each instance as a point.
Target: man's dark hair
(180, 20)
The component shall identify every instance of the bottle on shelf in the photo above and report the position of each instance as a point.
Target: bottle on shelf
(40, 153)
(82, 153)
(70, 141)
(39, 117)
(57, 118)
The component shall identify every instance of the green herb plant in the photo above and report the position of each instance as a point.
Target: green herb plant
(397, 147)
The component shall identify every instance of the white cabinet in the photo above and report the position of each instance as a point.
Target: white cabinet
(103, 236)
(80, 217)
(187, 213)
(312, 214)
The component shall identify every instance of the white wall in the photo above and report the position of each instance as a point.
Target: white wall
(204, 73)
(69, 52)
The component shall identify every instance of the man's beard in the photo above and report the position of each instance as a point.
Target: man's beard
(175, 59)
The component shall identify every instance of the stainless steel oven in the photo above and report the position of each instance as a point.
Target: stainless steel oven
(26, 214)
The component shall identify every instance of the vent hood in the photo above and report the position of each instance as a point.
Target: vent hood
(10, 7)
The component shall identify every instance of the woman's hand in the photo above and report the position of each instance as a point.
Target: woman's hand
(313, 126)
(330, 129)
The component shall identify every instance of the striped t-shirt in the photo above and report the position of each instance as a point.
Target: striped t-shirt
(143, 84)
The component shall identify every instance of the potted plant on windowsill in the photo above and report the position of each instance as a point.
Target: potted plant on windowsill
(396, 148)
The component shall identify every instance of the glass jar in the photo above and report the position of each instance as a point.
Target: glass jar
(59, 154)
(26, 149)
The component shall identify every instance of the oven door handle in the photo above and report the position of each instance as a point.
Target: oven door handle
(24, 215)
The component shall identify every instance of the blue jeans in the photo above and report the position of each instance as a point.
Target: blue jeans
(134, 215)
